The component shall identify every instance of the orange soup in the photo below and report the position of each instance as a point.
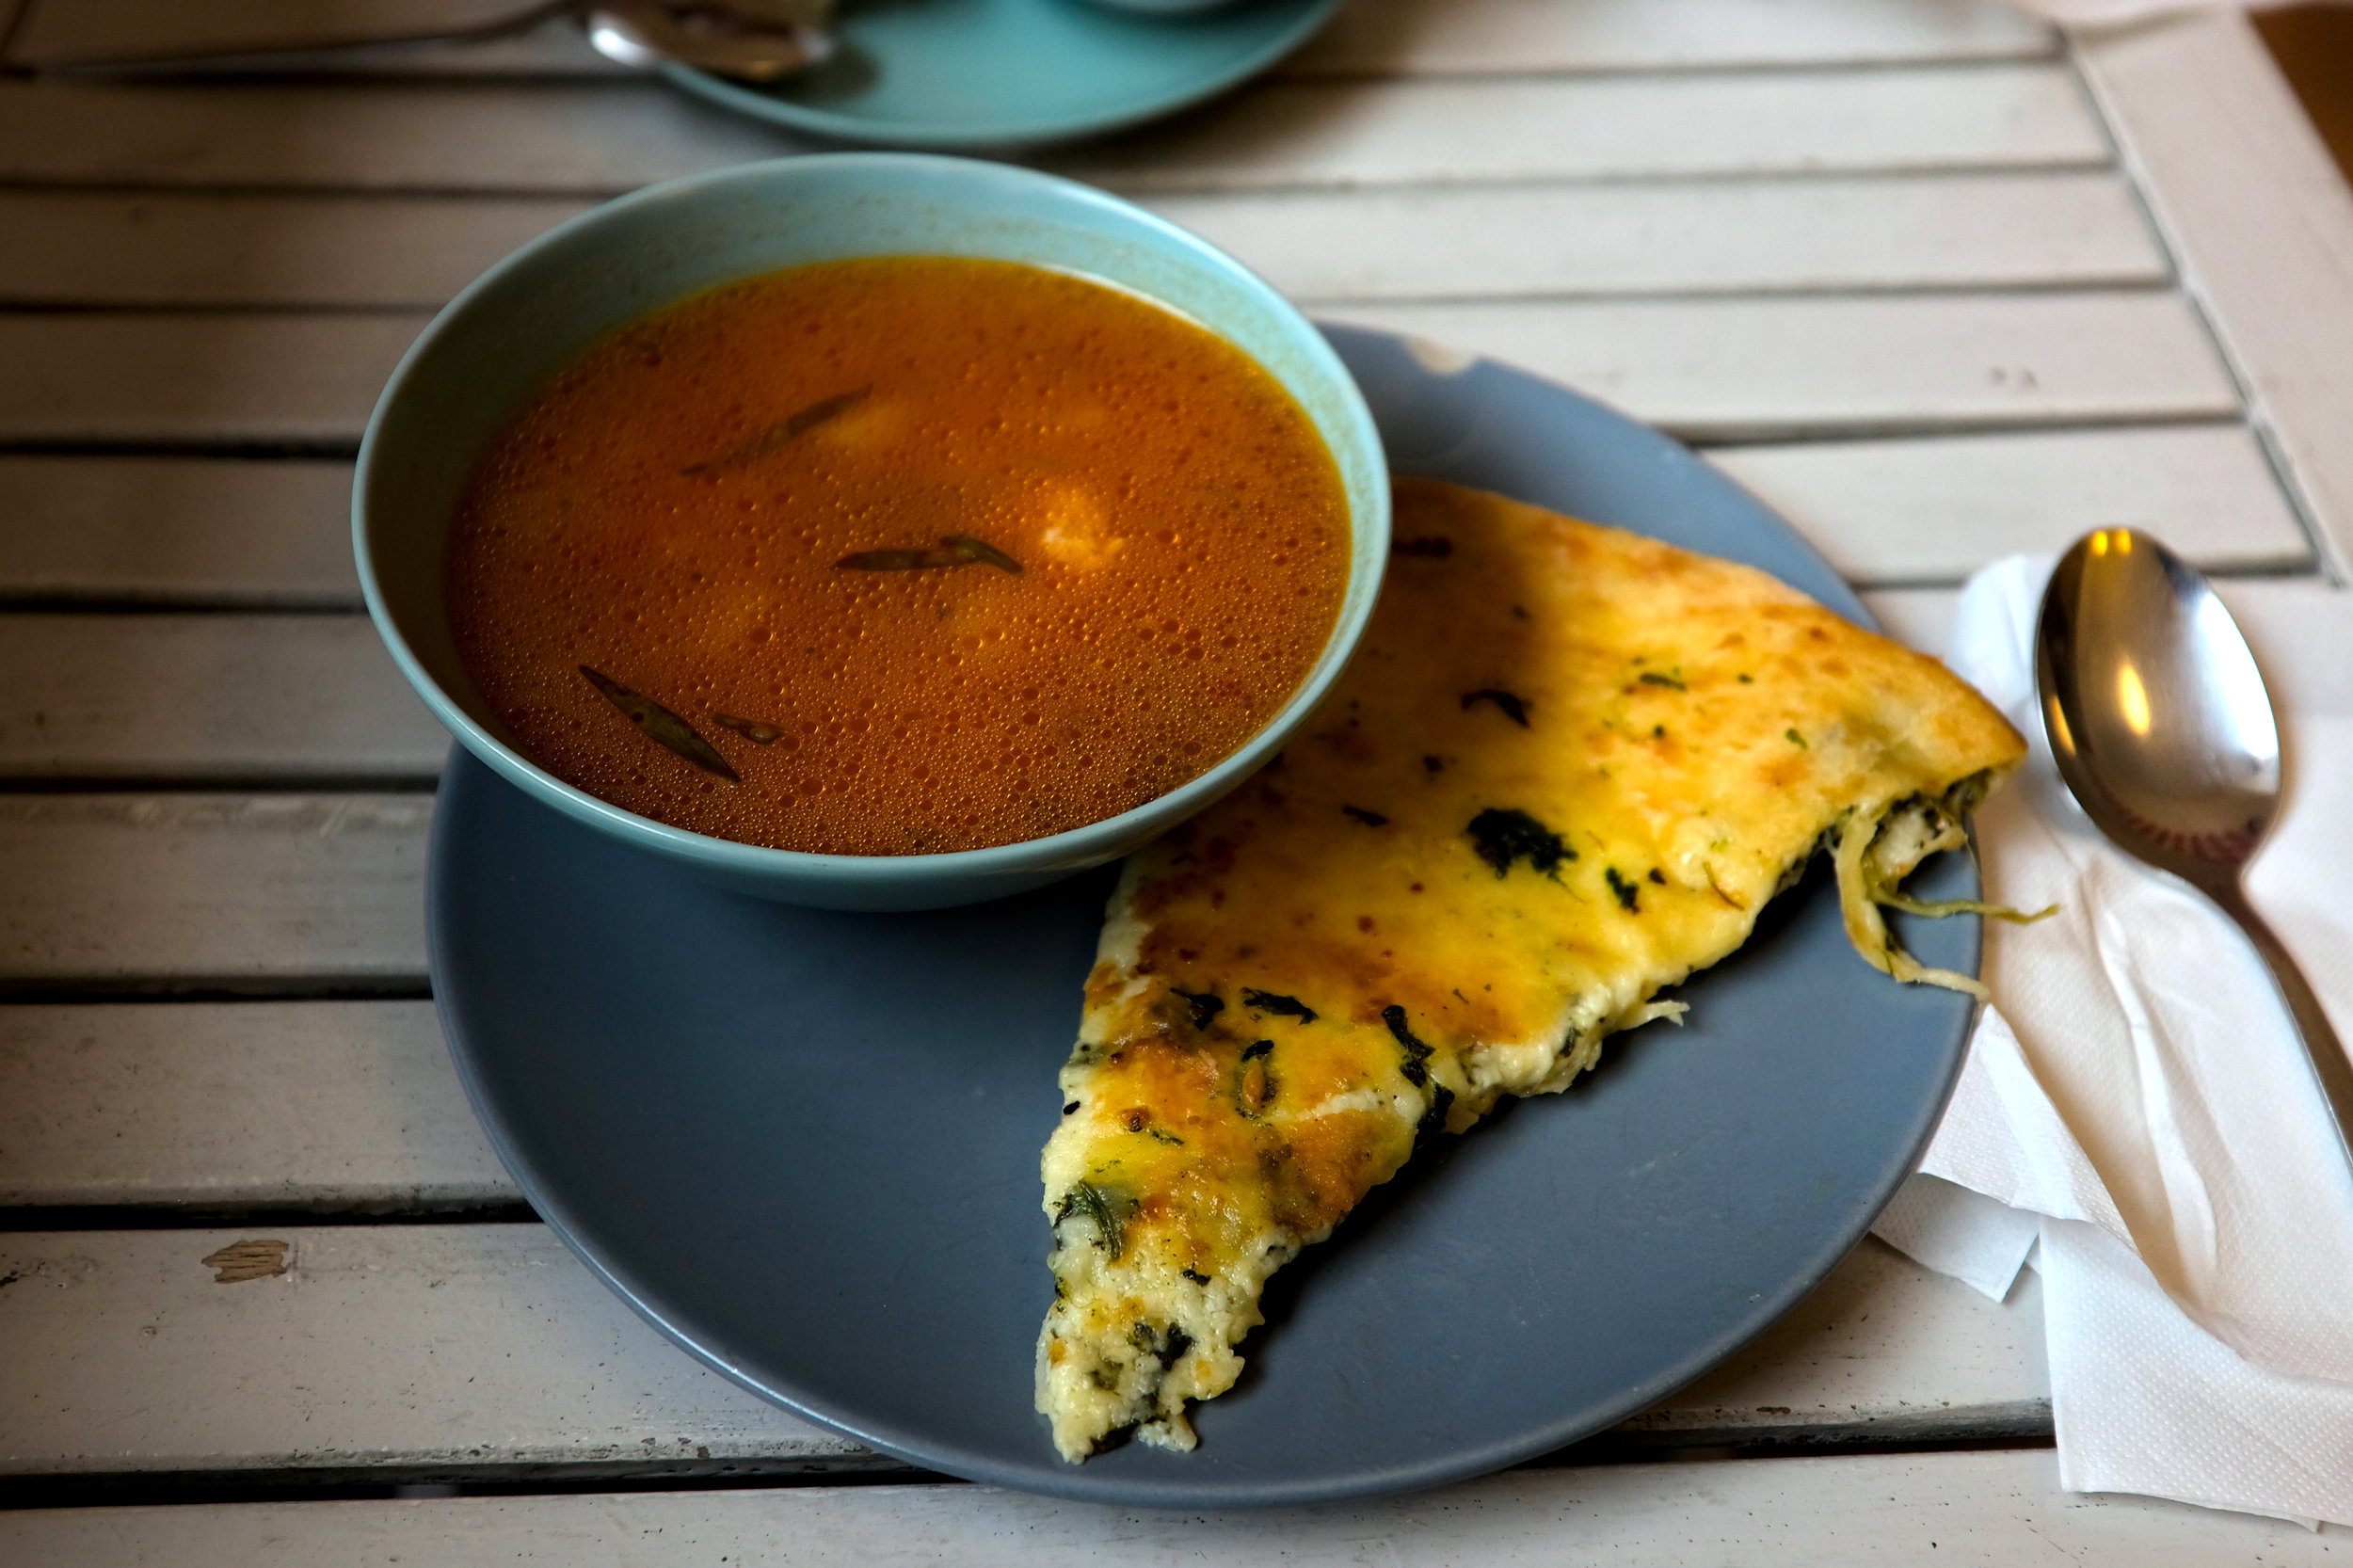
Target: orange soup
(897, 556)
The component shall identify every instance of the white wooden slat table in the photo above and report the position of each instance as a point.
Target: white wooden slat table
(1937, 282)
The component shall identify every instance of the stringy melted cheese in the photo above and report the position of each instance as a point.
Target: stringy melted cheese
(1567, 768)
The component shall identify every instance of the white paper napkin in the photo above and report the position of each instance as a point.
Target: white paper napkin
(2140, 1095)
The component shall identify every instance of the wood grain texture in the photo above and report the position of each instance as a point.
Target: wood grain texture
(1695, 237)
(489, 1344)
(1349, 132)
(1733, 369)
(593, 138)
(590, 139)
(380, 1347)
(212, 893)
(196, 379)
(88, 247)
(1510, 37)
(183, 531)
(340, 1106)
(1932, 511)
(1985, 1510)
(167, 249)
(1368, 38)
(2247, 194)
(1762, 370)
(208, 697)
(1919, 618)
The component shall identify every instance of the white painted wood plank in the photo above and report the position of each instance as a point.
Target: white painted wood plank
(212, 891)
(1764, 369)
(2263, 223)
(200, 531)
(1368, 38)
(237, 380)
(419, 1345)
(1508, 36)
(1709, 236)
(1936, 510)
(161, 248)
(1351, 132)
(600, 138)
(379, 1346)
(1729, 369)
(157, 248)
(336, 1105)
(81, 247)
(1917, 617)
(1884, 1348)
(1968, 1510)
(592, 138)
(208, 696)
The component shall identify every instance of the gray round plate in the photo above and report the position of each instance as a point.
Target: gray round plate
(805, 1145)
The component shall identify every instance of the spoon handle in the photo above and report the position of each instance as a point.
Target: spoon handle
(2320, 1036)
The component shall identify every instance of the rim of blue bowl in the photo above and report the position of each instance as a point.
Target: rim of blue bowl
(1055, 855)
(751, 101)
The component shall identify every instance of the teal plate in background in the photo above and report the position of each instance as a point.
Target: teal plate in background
(951, 73)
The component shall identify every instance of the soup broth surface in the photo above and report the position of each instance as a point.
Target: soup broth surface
(741, 506)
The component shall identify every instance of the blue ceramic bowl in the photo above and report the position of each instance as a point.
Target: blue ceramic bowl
(496, 341)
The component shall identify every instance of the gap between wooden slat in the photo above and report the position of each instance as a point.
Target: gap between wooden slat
(490, 1345)
(600, 138)
(173, 250)
(1853, 1511)
(1705, 370)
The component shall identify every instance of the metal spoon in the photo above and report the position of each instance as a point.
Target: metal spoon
(2162, 726)
(755, 41)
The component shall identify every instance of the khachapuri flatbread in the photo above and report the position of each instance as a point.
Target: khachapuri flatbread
(1566, 769)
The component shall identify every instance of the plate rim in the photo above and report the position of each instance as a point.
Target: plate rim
(465, 774)
(967, 135)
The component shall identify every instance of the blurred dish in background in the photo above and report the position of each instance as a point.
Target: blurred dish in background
(977, 74)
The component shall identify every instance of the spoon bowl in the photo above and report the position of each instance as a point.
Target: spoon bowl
(2159, 719)
(726, 38)
(2164, 731)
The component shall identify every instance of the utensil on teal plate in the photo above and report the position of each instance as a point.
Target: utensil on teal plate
(751, 41)
(2162, 726)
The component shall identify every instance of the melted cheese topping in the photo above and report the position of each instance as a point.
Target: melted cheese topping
(1567, 767)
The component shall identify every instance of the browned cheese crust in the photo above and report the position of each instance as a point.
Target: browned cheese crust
(1567, 767)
